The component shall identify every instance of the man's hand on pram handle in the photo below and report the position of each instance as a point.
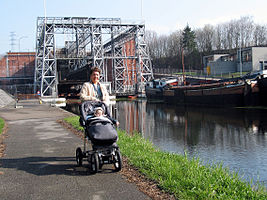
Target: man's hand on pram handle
(117, 123)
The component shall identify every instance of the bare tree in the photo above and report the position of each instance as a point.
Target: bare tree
(218, 37)
(200, 39)
(243, 32)
(259, 35)
(152, 40)
(233, 34)
(246, 27)
(174, 43)
(204, 38)
(162, 46)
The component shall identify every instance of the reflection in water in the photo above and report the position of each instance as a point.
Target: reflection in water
(237, 137)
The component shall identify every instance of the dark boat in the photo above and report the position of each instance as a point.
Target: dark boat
(262, 81)
(228, 93)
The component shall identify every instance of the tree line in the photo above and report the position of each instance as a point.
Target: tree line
(166, 50)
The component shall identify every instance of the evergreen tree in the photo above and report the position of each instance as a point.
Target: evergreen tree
(189, 48)
(188, 41)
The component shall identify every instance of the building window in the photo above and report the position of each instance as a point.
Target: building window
(246, 56)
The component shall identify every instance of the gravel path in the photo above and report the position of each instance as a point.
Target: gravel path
(39, 160)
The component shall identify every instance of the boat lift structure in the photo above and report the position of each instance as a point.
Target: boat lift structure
(124, 53)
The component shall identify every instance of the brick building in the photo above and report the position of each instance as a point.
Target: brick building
(17, 64)
(17, 72)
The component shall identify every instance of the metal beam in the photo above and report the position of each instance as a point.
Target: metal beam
(89, 49)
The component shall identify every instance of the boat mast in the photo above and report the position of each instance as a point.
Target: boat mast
(183, 66)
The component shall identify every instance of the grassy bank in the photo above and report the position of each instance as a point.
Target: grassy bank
(177, 174)
(2, 124)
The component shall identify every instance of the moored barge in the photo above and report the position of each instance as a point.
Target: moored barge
(238, 92)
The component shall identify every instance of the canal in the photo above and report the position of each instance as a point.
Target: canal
(235, 137)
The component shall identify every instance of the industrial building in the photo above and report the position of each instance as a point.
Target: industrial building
(251, 59)
(66, 49)
(117, 47)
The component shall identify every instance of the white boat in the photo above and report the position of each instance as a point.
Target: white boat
(154, 88)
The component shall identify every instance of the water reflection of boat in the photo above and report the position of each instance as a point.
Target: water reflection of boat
(132, 97)
(249, 119)
(237, 137)
(158, 120)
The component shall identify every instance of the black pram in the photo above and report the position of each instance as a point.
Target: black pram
(103, 136)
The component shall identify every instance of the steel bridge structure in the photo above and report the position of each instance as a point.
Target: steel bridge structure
(123, 55)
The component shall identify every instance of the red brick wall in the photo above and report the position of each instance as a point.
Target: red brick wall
(3, 66)
(131, 63)
(20, 64)
(129, 49)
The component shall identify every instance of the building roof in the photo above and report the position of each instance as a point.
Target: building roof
(20, 53)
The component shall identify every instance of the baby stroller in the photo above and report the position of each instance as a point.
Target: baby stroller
(100, 131)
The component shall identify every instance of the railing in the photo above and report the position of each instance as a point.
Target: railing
(199, 73)
(18, 89)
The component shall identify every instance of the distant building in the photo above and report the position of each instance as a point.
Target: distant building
(17, 68)
(251, 59)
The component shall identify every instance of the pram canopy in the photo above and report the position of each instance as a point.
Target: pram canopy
(100, 130)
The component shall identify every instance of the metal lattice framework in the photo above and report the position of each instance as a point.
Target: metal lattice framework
(130, 68)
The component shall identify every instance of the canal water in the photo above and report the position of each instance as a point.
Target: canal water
(235, 137)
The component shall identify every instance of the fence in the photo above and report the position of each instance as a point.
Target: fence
(19, 89)
(173, 71)
(199, 73)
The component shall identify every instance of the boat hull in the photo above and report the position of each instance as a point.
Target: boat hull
(263, 90)
(154, 93)
(233, 95)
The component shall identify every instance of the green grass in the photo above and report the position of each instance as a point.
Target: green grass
(74, 121)
(232, 75)
(2, 124)
(185, 178)
(187, 73)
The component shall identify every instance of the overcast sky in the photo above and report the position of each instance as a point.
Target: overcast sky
(162, 16)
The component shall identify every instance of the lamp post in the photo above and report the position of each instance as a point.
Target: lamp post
(20, 39)
(240, 61)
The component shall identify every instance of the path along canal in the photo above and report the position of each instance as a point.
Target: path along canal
(235, 137)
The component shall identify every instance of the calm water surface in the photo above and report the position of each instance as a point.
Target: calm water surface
(236, 137)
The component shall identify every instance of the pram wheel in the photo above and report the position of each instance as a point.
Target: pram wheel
(79, 156)
(94, 165)
(117, 160)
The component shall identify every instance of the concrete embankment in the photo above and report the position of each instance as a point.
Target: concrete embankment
(5, 99)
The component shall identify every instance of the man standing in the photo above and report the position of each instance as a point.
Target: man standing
(94, 90)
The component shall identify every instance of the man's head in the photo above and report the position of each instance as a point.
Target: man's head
(95, 74)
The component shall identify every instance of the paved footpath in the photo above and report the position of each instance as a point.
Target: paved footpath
(39, 161)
